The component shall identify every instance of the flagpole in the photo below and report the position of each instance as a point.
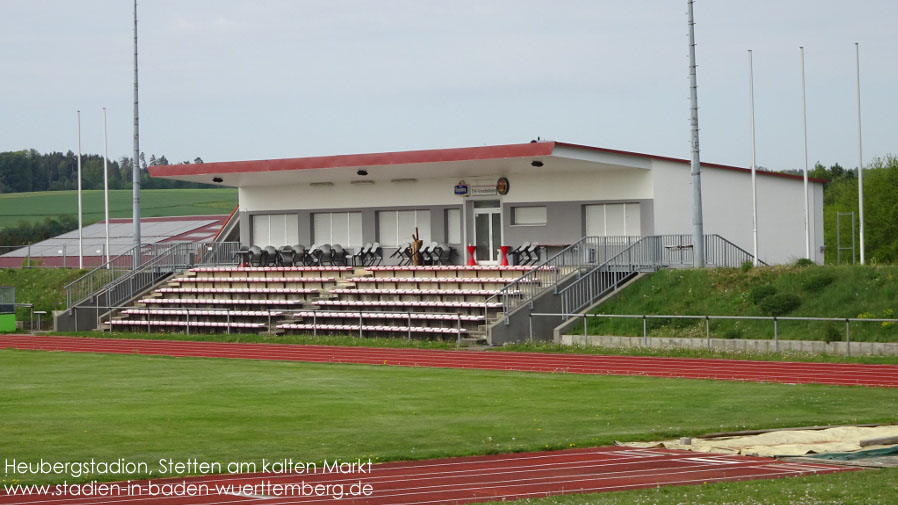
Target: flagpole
(106, 184)
(860, 156)
(804, 124)
(80, 220)
(754, 187)
(698, 227)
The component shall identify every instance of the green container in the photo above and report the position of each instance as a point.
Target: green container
(7, 323)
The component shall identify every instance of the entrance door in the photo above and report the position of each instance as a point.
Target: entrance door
(487, 231)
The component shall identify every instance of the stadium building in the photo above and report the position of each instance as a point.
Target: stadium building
(549, 192)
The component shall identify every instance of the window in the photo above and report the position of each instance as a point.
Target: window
(275, 229)
(260, 230)
(613, 219)
(528, 216)
(344, 228)
(397, 226)
(453, 226)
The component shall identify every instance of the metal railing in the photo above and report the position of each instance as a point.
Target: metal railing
(274, 317)
(645, 255)
(164, 257)
(600, 263)
(708, 318)
(575, 259)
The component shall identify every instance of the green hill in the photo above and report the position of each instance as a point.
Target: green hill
(32, 207)
(812, 291)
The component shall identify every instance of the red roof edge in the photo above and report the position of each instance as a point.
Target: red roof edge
(680, 160)
(358, 160)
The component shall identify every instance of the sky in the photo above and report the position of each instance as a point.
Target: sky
(238, 79)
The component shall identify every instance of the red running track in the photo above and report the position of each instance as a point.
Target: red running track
(844, 374)
(458, 480)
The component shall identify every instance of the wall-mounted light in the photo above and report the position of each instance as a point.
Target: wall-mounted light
(217, 179)
(404, 181)
(536, 163)
(362, 181)
(321, 184)
(362, 172)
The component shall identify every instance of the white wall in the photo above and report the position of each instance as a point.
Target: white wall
(571, 186)
(726, 202)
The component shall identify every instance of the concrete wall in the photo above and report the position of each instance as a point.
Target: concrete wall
(726, 201)
(751, 345)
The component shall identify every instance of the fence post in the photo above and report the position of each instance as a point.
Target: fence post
(708, 330)
(645, 332)
(361, 323)
(229, 320)
(848, 336)
(776, 338)
(269, 322)
(315, 323)
(530, 316)
(458, 330)
(188, 320)
(63, 255)
(409, 314)
(28, 257)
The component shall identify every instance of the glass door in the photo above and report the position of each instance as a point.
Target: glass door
(488, 233)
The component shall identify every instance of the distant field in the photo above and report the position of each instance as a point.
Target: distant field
(15, 207)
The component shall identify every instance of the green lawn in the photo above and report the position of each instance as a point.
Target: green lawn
(870, 487)
(15, 207)
(812, 291)
(72, 407)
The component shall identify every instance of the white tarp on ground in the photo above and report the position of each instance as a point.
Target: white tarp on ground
(784, 443)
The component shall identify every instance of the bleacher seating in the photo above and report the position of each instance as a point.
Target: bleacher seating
(436, 301)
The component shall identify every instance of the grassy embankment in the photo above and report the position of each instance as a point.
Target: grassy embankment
(15, 207)
(73, 407)
(810, 291)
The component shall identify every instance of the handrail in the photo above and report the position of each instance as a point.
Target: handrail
(707, 318)
(82, 288)
(121, 267)
(583, 254)
(587, 258)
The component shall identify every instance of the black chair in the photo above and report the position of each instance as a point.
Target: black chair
(518, 255)
(338, 255)
(300, 255)
(359, 257)
(532, 253)
(404, 254)
(242, 255)
(286, 256)
(269, 256)
(375, 254)
(322, 254)
(255, 256)
(442, 254)
(427, 252)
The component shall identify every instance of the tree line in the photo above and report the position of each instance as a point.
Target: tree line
(28, 170)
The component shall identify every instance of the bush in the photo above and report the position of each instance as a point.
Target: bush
(831, 334)
(779, 304)
(747, 265)
(759, 293)
(817, 281)
(732, 333)
(804, 262)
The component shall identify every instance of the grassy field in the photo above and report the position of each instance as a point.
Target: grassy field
(68, 407)
(871, 487)
(813, 291)
(15, 207)
(42, 287)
